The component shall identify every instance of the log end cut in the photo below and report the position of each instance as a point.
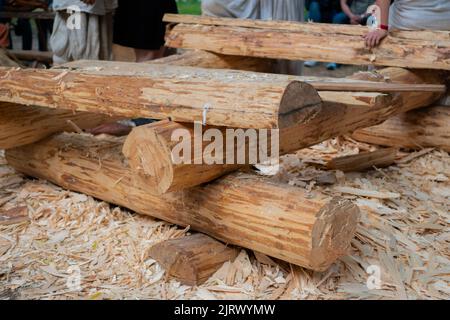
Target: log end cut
(300, 102)
(150, 163)
(332, 233)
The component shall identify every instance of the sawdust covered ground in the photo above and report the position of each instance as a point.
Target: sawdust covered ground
(65, 245)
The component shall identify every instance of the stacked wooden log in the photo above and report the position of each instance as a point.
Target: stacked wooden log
(197, 93)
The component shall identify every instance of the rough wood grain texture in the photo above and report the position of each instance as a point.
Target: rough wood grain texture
(417, 129)
(149, 148)
(310, 230)
(192, 259)
(337, 119)
(149, 151)
(363, 161)
(210, 60)
(21, 125)
(300, 41)
(185, 94)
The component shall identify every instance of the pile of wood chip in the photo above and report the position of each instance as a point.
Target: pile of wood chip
(56, 244)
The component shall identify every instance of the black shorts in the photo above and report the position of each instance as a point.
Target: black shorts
(138, 23)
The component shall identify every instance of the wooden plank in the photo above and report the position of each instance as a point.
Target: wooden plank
(42, 15)
(193, 259)
(417, 129)
(246, 210)
(364, 161)
(297, 41)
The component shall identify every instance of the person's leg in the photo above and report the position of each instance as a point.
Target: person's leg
(42, 34)
(341, 18)
(24, 29)
(314, 13)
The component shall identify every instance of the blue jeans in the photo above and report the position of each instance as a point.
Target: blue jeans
(314, 13)
(318, 13)
(341, 18)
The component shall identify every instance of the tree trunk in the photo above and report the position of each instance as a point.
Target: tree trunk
(300, 41)
(193, 259)
(417, 129)
(309, 230)
(149, 148)
(21, 125)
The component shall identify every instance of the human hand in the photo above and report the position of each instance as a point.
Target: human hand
(355, 19)
(374, 38)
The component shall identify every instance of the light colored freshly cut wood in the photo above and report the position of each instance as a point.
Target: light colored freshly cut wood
(417, 129)
(363, 161)
(300, 41)
(192, 259)
(149, 151)
(21, 125)
(184, 94)
(310, 230)
(149, 148)
(211, 60)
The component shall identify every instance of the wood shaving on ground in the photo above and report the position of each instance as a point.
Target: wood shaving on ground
(72, 246)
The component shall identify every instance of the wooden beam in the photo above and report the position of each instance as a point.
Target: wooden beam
(308, 41)
(184, 94)
(42, 15)
(246, 210)
(193, 259)
(32, 55)
(149, 148)
(364, 161)
(21, 125)
(210, 60)
(417, 129)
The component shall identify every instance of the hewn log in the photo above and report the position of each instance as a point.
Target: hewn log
(210, 60)
(21, 125)
(149, 148)
(300, 41)
(149, 151)
(417, 129)
(310, 230)
(193, 259)
(184, 94)
(363, 161)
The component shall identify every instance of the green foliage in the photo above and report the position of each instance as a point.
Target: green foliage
(189, 6)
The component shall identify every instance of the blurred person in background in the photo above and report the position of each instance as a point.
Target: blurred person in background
(139, 24)
(321, 11)
(353, 12)
(289, 10)
(91, 39)
(409, 15)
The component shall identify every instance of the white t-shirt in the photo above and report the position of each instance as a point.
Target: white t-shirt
(291, 10)
(420, 14)
(101, 7)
